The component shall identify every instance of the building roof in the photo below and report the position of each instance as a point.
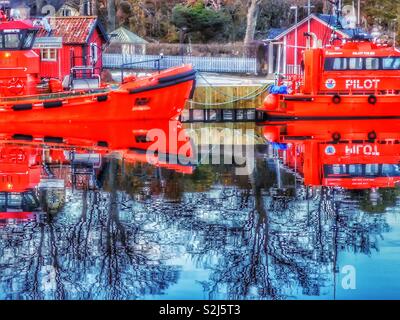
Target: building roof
(19, 24)
(73, 30)
(124, 35)
(326, 19)
(275, 32)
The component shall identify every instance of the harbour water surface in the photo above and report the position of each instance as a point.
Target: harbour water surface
(79, 223)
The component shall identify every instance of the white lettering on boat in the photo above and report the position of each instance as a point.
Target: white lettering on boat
(366, 150)
(364, 53)
(366, 84)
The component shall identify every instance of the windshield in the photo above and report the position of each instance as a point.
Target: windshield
(17, 40)
(386, 63)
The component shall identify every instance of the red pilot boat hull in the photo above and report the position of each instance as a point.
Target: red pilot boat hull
(159, 96)
(306, 107)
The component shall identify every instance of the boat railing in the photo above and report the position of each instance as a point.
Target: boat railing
(52, 96)
(14, 68)
(127, 66)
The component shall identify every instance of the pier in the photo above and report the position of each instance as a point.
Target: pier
(226, 98)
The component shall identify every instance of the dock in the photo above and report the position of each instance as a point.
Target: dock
(226, 98)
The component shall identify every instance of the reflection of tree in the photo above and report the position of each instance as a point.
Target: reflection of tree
(376, 201)
(92, 249)
(257, 240)
(282, 248)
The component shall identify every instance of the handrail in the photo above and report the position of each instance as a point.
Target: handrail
(126, 65)
(53, 96)
(15, 68)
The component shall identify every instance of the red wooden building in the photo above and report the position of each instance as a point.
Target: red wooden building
(83, 38)
(283, 49)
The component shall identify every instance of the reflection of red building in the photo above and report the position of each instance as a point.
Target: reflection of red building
(352, 155)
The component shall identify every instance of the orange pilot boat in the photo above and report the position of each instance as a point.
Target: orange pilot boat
(360, 155)
(81, 96)
(348, 79)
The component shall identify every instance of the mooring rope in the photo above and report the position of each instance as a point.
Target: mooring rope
(252, 95)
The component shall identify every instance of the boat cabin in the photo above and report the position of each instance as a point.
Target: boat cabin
(19, 64)
(352, 66)
(28, 70)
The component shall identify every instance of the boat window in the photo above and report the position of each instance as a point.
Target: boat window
(362, 170)
(335, 64)
(372, 63)
(23, 39)
(392, 170)
(372, 170)
(29, 39)
(356, 63)
(391, 63)
(12, 40)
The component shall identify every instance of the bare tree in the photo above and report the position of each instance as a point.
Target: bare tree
(111, 10)
(252, 18)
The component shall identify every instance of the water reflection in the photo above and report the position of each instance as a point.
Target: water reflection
(353, 155)
(109, 223)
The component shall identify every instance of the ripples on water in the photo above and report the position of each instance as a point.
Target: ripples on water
(131, 230)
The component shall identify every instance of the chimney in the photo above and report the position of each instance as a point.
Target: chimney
(86, 7)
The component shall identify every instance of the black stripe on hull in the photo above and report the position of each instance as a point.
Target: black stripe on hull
(176, 77)
(162, 85)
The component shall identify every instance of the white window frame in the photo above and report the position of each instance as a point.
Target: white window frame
(48, 58)
(66, 12)
(94, 53)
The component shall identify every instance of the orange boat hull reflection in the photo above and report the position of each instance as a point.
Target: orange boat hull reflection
(351, 155)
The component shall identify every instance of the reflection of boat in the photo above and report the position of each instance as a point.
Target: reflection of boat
(52, 157)
(350, 78)
(353, 155)
(20, 171)
(104, 135)
(24, 97)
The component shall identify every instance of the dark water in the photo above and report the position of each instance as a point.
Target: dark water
(96, 226)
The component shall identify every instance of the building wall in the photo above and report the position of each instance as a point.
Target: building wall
(322, 31)
(96, 39)
(62, 67)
